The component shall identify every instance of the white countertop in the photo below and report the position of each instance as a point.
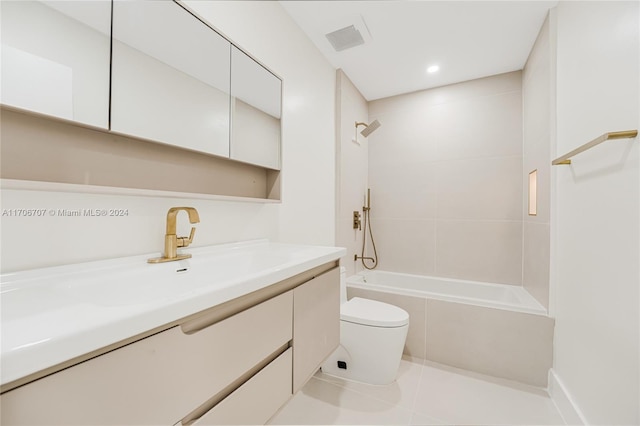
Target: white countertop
(51, 315)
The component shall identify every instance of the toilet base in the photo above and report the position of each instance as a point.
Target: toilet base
(367, 354)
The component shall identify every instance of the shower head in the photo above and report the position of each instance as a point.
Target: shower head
(368, 128)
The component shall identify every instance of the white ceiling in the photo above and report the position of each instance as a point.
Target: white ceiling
(467, 39)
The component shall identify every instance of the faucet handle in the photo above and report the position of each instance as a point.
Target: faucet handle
(185, 241)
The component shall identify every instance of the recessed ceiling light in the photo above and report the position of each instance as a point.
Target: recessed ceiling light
(432, 69)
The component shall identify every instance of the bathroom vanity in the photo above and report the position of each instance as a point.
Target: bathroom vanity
(223, 338)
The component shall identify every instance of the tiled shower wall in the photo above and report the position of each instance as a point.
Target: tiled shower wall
(445, 172)
(351, 167)
(536, 87)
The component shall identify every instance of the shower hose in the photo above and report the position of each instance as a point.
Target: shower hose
(367, 220)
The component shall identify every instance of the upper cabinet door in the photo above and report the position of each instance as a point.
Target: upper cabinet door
(256, 110)
(55, 58)
(170, 77)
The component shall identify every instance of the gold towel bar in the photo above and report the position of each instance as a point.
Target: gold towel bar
(565, 159)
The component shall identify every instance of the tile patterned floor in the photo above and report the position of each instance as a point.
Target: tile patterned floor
(423, 394)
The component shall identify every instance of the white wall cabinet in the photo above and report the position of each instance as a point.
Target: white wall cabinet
(209, 376)
(170, 77)
(255, 111)
(55, 59)
(147, 69)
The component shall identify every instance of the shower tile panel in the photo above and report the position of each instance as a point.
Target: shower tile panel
(511, 345)
(536, 261)
(447, 154)
(484, 127)
(480, 189)
(404, 192)
(488, 251)
(405, 245)
(404, 137)
(536, 101)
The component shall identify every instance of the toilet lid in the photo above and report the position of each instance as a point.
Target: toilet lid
(373, 313)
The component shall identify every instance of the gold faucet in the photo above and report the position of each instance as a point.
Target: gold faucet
(171, 240)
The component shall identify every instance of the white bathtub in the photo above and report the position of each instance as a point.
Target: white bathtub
(494, 329)
(501, 296)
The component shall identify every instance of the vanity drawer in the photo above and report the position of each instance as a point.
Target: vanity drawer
(258, 399)
(158, 379)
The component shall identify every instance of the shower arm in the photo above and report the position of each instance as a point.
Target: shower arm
(358, 123)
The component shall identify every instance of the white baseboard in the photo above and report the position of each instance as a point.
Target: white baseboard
(571, 414)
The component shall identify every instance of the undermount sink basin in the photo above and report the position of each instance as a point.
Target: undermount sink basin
(133, 287)
(51, 315)
(173, 280)
(132, 284)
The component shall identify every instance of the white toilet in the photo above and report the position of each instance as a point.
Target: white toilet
(372, 337)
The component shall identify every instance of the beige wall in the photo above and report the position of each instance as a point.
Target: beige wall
(352, 160)
(537, 80)
(445, 171)
(595, 291)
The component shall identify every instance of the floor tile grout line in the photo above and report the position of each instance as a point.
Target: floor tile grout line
(415, 410)
(415, 397)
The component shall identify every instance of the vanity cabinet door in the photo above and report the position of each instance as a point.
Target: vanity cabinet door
(316, 324)
(170, 77)
(256, 110)
(55, 58)
(157, 380)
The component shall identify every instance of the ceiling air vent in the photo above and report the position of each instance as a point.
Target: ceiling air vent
(345, 38)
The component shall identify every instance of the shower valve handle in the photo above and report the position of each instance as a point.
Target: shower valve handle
(357, 223)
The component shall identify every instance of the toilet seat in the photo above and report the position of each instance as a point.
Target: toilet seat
(373, 313)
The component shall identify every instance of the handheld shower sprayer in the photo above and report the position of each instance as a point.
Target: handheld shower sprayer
(366, 209)
(368, 128)
(368, 206)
